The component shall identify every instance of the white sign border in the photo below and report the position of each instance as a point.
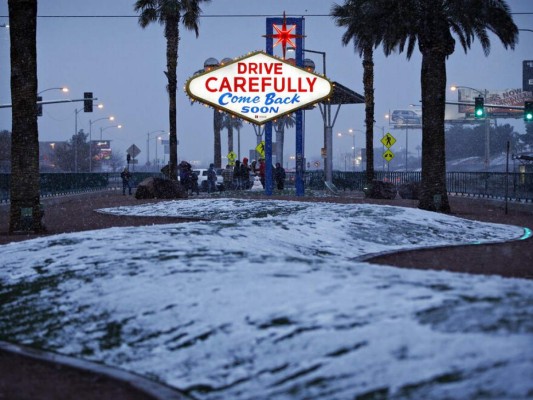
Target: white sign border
(241, 116)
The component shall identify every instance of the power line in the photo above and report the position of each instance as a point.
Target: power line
(201, 16)
(210, 15)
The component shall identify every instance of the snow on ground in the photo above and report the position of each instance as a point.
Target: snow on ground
(268, 300)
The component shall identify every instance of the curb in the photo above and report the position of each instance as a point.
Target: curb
(157, 391)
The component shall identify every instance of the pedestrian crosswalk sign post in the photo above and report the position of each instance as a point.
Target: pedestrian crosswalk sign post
(388, 140)
(231, 157)
(388, 155)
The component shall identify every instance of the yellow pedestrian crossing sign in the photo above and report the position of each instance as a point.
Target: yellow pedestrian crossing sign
(388, 140)
(260, 148)
(231, 157)
(388, 155)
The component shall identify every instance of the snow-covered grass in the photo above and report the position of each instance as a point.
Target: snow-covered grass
(269, 300)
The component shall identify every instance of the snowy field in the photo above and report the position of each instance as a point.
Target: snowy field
(269, 300)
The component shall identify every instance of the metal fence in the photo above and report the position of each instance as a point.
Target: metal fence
(516, 186)
(57, 184)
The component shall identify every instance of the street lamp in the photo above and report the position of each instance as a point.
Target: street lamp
(326, 116)
(351, 132)
(110, 118)
(39, 98)
(483, 94)
(210, 64)
(64, 89)
(102, 129)
(109, 127)
(148, 145)
(76, 112)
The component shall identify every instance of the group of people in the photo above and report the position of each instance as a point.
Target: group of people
(189, 178)
(242, 175)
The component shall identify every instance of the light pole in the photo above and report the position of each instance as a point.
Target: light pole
(76, 112)
(119, 126)
(102, 129)
(156, 158)
(328, 128)
(148, 144)
(110, 118)
(210, 64)
(483, 94)
(351, 132)
(64, 89)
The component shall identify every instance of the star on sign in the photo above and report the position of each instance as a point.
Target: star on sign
(284, 35)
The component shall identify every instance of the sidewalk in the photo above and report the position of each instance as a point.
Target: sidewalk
(28, 375)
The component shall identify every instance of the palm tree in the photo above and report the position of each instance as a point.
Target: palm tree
(432, 24)
(25, 189)
(362, 31)
(170, 13)
(287, 121)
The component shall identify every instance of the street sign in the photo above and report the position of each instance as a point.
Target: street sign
(231, 157)
(388, 155)
(260, 148)
(133, 151)
(388, 140)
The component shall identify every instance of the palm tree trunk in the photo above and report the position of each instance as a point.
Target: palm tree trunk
(433, 195)
(25, 193)
(368, 83)
(172, 36)
(230, 136)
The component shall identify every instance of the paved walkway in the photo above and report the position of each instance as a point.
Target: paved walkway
(30, 375)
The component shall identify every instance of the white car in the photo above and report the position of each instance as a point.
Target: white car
(202, 179)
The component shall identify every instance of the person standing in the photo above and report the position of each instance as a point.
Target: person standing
(211, 179)
(185, 170)
(245, 174)
(237, 181)
(227, 175)
(279, 176)
(126, 180)
(262, 171)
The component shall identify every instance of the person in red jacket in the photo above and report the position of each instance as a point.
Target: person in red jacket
(262, 171)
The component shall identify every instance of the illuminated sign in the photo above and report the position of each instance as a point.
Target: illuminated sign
(258, 88)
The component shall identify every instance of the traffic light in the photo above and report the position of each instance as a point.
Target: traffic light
(479, 109)
(88, 104)
(39, 107)
(528, 111)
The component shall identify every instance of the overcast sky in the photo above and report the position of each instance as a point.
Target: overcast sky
(98, 46)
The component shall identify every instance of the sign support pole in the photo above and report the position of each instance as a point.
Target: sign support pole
(299, 183)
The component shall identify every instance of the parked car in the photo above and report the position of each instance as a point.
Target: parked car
(406, 117)
(202, 179)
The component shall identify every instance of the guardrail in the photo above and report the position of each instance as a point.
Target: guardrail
(515, 186)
